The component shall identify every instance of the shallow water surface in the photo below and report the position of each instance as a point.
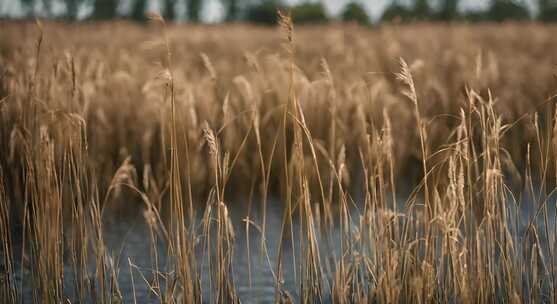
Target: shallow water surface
(129, 246)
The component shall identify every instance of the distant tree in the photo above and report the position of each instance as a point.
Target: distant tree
(138, 10)
(354, 11)
(72, 7)
(396, 12)
(104, 9)
(232, 8)
(449, 10)
(548, 10)
(543, 4)
(194, 9)
(502, 10)
(169, 12)
(264, 12)
(309, 13)
(421, 10)
(476, 16)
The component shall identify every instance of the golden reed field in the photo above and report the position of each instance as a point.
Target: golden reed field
(315, 164)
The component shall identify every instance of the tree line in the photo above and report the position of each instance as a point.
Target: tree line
(264, 11)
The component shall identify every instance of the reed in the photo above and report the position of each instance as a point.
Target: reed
(427, 179)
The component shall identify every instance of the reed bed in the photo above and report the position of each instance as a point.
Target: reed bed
(431, 150)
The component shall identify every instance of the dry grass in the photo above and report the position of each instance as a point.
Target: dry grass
(178, 122)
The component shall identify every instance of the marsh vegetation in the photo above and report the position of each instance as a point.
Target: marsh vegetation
(330, 163)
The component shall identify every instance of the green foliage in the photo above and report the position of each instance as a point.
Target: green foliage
(421, 10)
(309, 13)
(476, 16)
(503, 10)
(449, 10)
(104, 9)
(194, 9)
(264, 13)
(396, 13)
(138, 10)
(169, 10)
(500, 10)
(355, 12)
(71, 9)
(232, 8)
(548, 12)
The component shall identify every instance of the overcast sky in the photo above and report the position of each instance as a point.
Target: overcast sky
(214, 11)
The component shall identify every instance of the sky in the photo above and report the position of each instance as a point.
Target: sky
(214, 11)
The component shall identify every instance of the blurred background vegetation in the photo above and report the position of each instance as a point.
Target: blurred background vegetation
(305, 11)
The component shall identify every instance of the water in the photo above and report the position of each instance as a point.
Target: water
(128, 241)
